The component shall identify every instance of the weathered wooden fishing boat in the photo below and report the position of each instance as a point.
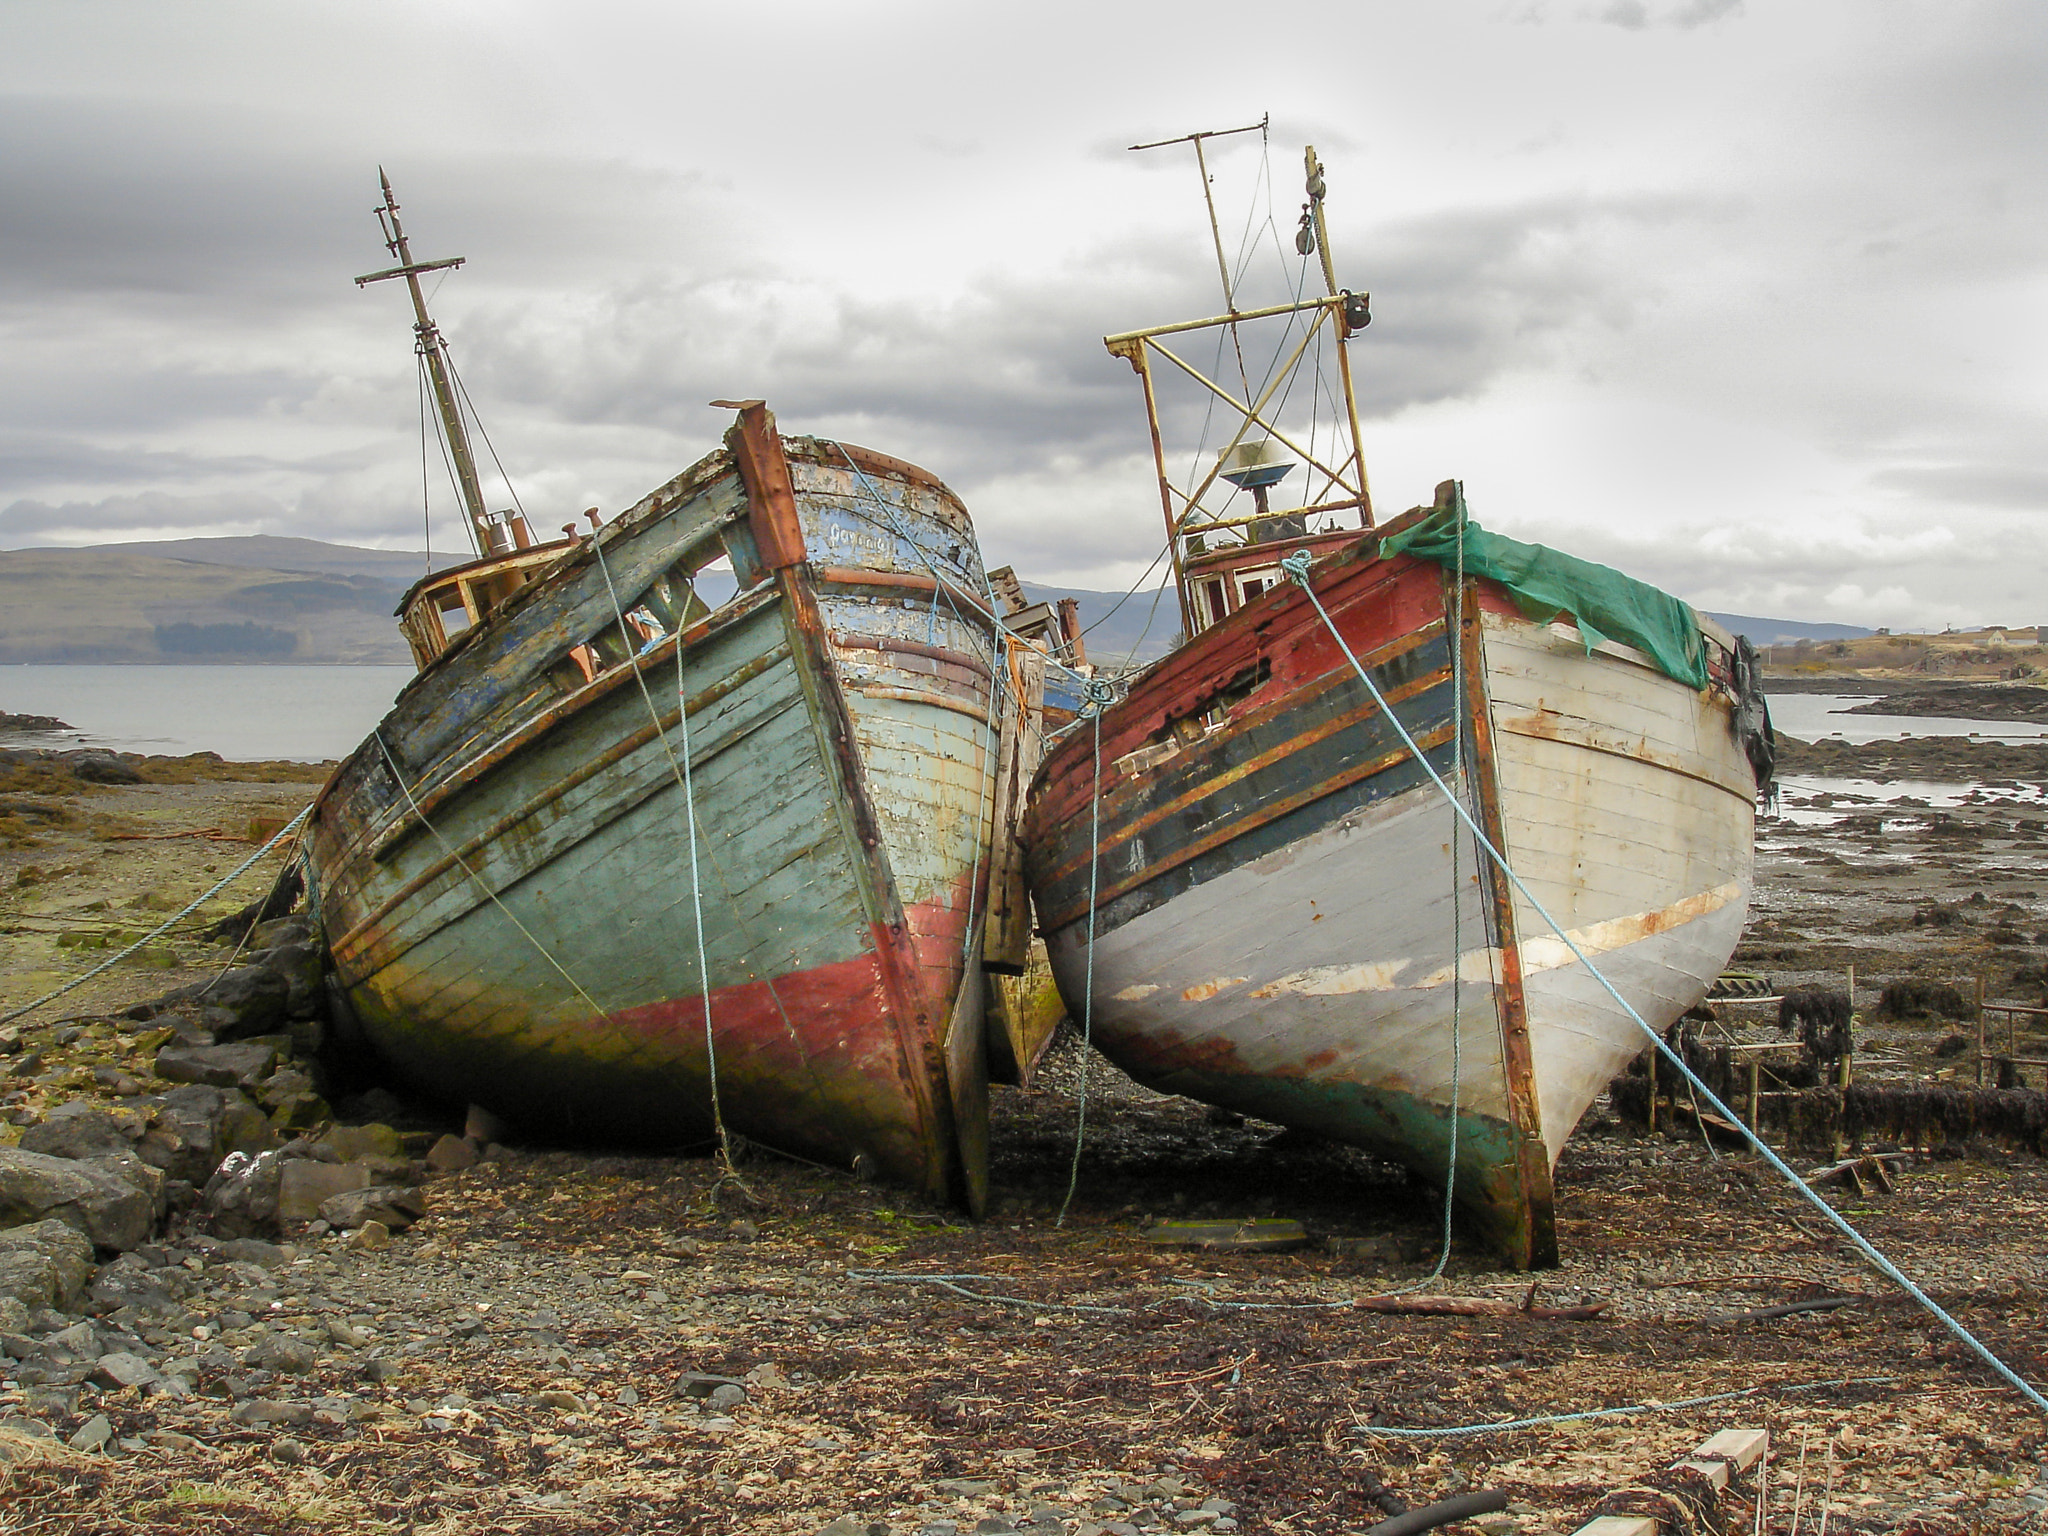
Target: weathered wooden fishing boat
(627, 864)
(1282, 914)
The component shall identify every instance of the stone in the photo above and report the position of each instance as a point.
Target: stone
(451, 1154)
(82, 1129)
(480, 1126)
(305, 1184)
(92, 1435)
(107, 1209)
(241, 1197)
(254, 1250)
(122, 1369)
(125, 1165)
(97, 766)
(702, 1384)
(263, 1410)
(249, 1000)
(853, 1525)
(27, 1279)
(288, 1451)
(220, 1066)
(143, 1292)
(370, 1237)
(68, 1251)
(565, 1402)
(964, 1487)
(282, 1353)
(396, 1206)
(349, 1142)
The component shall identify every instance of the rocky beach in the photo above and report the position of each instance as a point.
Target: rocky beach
(243, 1289)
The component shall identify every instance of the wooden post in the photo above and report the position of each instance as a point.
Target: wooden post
(1841, 1123)
(1654, 1053)
(1980, 1031)
(1756, 1072)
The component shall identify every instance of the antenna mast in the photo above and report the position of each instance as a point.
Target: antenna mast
(489, 535)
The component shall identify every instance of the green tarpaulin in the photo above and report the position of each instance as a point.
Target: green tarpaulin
(1603, 603)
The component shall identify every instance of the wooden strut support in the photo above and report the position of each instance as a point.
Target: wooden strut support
(1716, 1462)
(1538, 1239)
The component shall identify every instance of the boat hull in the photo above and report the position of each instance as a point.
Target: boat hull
(1288, 916)
(508, 878)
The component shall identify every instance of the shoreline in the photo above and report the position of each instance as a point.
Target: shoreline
(544, 1348)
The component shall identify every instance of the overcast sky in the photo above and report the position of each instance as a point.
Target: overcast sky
(1745, 297)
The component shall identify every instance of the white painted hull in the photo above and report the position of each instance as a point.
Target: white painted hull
(1314, 984)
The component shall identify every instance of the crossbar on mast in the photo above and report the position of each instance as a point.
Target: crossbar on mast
(490, 537)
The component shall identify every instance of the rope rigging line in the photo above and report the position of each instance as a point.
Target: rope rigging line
(683, 779)
(1098, 701)
(998, 689)
(1539, 1421)
(1297, 567)
(220, 885)
(426, 478)
(481, 431)
(476, 879)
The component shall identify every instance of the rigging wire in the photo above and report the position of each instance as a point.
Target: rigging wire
(426, 478)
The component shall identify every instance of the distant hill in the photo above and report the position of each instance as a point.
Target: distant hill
(267, 551)
(265, 598)
(1785, 631)
(115, 605)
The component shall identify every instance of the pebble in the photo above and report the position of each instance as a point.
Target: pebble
(93, 1434)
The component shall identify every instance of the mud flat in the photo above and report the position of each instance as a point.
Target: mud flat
(569, 1341)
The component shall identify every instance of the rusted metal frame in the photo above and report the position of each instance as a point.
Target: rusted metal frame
(1134, 354)
(965, 707)
(771, 498)
(1250, 822)
(849, 640)
(921, 1059)
(454, 781)
(1536, 1242)
(910, 581)
(585, 771)
(1343, 504)
(1252, 414)
(1150, 331)
(1305, 695)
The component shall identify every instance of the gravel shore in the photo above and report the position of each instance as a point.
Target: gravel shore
(572, 1341)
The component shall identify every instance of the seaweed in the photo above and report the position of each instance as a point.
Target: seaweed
(1911, 998)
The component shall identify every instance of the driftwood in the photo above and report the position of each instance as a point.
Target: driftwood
(1480, 1306)
(1787, 1309)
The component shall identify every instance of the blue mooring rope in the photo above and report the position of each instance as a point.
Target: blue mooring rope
(1297, 567)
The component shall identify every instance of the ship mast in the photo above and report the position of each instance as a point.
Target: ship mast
(1253, 464)
(489, 534)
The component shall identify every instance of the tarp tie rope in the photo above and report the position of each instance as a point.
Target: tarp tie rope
(222, 884)
(1297, 566)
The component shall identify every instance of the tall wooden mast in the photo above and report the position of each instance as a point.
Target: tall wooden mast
(491, 538)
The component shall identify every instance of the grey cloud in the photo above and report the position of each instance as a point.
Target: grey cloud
(31, 460)
(236, 208)
(1635, 15)
(152, 509)
(2001, 486)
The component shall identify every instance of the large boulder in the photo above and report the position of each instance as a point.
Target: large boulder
(241, 1197)
(221, 1066)
(395, 1205)
(106, 1207)
(83, 1128)
(64, 1248)
(194, 1126)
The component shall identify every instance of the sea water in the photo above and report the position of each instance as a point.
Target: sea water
(308, 713)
